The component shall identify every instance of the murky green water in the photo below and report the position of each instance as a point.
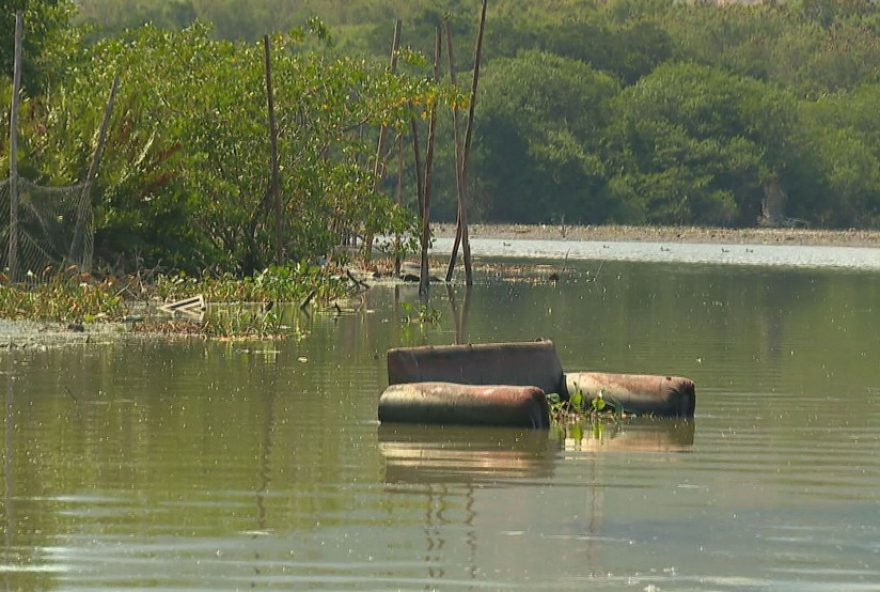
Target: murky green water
(215, 466)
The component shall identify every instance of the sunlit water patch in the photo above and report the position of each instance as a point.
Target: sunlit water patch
(758, 255)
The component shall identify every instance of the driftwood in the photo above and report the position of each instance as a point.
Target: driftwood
(194, 306)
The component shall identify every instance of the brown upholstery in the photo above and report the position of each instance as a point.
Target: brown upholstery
(447, 403)
(662, 396)
(514, 364)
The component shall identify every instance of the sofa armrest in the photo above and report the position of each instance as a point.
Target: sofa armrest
(465, 404)
(641, 394)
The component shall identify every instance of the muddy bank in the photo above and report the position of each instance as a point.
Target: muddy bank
(671, 234)
(16, 334)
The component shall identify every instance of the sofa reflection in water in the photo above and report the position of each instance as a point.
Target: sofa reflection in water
(464, 454)
(431, 454)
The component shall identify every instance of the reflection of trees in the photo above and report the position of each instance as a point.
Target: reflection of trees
(595, 499)
(435, 504)
(167, 438)
(440, 499)
(638, 434)
(196, 440)
(460, 319)
(9, 525)
(26, 531)
(454, 465)
(265, 470)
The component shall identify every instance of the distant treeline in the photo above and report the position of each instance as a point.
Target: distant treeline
(630, 110)
(626, 111)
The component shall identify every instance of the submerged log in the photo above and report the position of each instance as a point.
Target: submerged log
(641, 394)
(446, 403)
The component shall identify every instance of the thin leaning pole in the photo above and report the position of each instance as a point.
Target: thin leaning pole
(417, 156)
(398, 192)
(379, 167)
(85, 200)
(275, 179)
(424, 280)
(461, 230)
(458, 158)
(12, 255)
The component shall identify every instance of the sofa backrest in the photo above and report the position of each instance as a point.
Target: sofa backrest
(516, 364)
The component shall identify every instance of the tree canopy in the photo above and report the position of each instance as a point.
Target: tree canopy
(636, 111)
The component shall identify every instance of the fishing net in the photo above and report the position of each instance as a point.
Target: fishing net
(54, 227)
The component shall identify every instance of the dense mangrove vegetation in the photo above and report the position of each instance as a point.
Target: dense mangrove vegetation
(620, 111)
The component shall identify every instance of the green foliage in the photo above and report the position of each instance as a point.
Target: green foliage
(579, 410)
(185, 174)
(693, 144)
(73, 297)
(280, 284)
(638, 111)
(65, 297)
(539, 145)
(240, 323)
(45, 29)
(813, 46)
(626, 48)
(717, 101)
(423, 314)
(839, 151)
(234, 19)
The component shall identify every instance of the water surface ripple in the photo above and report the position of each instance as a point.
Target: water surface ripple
(197, 465)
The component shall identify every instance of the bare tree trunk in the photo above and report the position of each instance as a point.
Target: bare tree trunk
(398, 193)
(275, 182)
(773, 204)
(417, 155)
(85, 201)
(12, 256)
(462, 218)
(464, 331)
(424, 281)
(458, 159)
(379, 170)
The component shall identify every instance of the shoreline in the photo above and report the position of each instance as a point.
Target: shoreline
(670, 234)
(770, 247)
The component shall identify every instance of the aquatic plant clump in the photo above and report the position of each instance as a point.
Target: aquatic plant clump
(77, 298)
(578, 419)
(578, 409)
(66, 297)
(288, 283)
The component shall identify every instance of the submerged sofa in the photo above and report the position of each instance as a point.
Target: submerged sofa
(507, 383)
